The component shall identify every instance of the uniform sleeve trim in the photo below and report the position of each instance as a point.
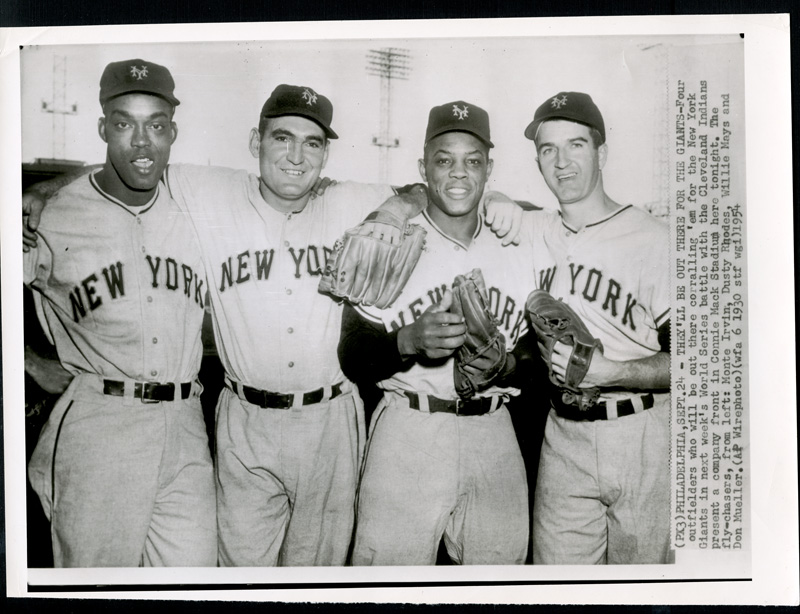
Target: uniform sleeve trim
(367, 316)
(662, 318)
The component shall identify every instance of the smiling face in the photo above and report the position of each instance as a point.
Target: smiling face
(569, 161)
(291, 154)
(456, 167)
(139, 132)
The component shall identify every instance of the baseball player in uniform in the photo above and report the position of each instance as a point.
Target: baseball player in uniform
(290, 430)
(436, 465)
(122, 467)
(602, 494)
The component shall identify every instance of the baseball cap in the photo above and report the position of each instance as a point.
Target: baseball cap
(303, 101)
(137, 76)
(459, 116)
(574, 106)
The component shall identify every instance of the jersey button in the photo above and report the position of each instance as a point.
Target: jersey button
(153, 372)
(155, 339)
(149, 299)
(288, 290)
(143, 249)
(456, 247)
(291, 364)
(138, 220)
(286, 243)
(290, 330)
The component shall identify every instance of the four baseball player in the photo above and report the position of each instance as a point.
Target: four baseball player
(123, 263)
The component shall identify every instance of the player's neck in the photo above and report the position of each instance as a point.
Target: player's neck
(111, 183)
(589, 210)
(460, 228)
(283, 205)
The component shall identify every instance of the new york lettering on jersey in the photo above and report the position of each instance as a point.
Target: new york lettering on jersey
(627, 294)
(256, 265)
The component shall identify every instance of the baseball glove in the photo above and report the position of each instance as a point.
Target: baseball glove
(482, 357)
(555, 321)
(371, 264)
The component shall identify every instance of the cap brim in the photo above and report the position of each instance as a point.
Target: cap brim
(328, 131)
(482, 139)
(170, 99)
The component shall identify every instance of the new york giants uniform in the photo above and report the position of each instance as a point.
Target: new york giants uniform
(603, 488)
(290, 428)
(430, 473)
(122, 466)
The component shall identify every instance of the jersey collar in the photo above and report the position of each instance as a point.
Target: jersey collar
(451, 239)
(132, 210)
(597, 223)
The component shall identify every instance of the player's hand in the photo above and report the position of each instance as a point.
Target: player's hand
(436, 334)
(46, 372)
(32, 206)
(504, 216)
(601, 370)
(320, 185)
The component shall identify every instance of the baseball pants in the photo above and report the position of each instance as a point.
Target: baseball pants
(433, 475)
(126, 483)
(603, 492)
(286, 480)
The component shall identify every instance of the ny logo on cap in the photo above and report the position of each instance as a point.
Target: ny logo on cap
(460, 113)
(309, 96)
(557, 102)
(139, 73)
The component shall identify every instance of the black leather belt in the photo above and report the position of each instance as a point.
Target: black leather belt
(148, 392)
(277, 400)
(599, 411)
(475, 407)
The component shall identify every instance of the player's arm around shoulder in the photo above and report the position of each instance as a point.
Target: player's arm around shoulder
(35, 197)
(196, 188)
(506, 217)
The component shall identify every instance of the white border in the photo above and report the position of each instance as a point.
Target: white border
(770, 276)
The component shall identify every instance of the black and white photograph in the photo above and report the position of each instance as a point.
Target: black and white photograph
(430, 314)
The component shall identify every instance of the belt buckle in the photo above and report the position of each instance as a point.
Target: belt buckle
(459, 406)
(144, 387)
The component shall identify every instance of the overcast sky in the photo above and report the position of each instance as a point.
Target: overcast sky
(223, 85)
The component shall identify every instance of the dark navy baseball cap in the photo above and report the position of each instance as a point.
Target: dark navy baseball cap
(573, 106)
(459, 116)
(303, 101)
(137, 76)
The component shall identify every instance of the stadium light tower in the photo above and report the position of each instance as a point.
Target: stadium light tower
(388, 63)
(58, 107)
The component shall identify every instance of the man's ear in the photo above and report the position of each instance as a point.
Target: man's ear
(539, 164)
(422, 173)
(602, 155)
(101, 128)
(255, 142)
(489, 167)
(174, 127)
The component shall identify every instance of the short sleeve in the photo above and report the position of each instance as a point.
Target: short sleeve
(37, 263)
(658, 274)
(351, 202)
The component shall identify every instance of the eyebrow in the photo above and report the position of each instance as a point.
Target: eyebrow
(450, 153)
(573, 140)
(284, 132)
(127, 115)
